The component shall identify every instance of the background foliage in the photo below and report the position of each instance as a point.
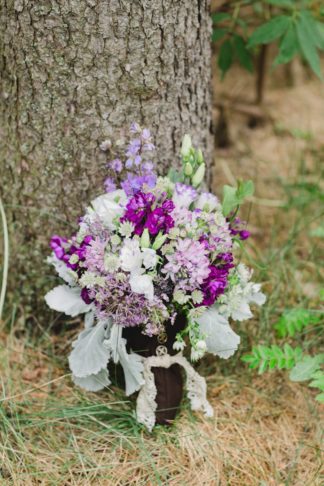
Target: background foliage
(296, 27)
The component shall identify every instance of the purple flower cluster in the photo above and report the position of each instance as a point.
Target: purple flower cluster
(137, 172)
(236, 229)
(140, 212)
(188, 266)
(95, 254)
(215, 284)
(64, 251)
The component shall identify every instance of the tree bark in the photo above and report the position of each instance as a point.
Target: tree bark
(73, 73)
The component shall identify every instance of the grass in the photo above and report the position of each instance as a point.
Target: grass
(266, 431)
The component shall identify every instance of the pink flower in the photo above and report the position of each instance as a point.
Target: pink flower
(189, 265)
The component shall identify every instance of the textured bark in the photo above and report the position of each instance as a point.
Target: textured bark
(73, 72)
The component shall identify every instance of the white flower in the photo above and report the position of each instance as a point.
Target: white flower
(111, 263)
(90, 279)
(126, 229)
(196, 354)
(149, 258)
(197, 296)
(201, 345)
(110, 206)
(183, 195)
(179, 345)
(142, 284)
(207, 202)
(131, 257)
(236, 302)
(180, 297)
(115, 240)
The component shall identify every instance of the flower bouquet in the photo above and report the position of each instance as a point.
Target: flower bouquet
(153, 270)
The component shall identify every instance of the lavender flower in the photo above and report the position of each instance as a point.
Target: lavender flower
(184, 195)
(116, 165)
(110, 185)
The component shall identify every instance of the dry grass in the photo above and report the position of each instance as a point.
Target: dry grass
(266, 431)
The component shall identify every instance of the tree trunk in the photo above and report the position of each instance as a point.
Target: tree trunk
(73, 73)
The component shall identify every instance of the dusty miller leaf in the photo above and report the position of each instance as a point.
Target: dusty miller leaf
(89, 354)
(220, 338)
(93, 383)
(304, 370)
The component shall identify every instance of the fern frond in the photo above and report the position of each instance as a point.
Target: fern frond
(271, 357)
(295, 320)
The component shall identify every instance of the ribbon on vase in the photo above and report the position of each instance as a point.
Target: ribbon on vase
(195, 385)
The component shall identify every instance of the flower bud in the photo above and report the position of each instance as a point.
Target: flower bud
(159, 240)
(199, 175)
(188, 169)
(186, 145)
(200, 157)
(145, 239)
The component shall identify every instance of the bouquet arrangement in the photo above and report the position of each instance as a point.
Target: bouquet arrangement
(153, 261)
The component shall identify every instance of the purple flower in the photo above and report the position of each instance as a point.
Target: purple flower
(80, 251)
(57, 245)
(244, 234)
(109, 185)
(134, 128)
(133, 147)
(159, 220)
(146, 134)
(189, 265)
(227, 258)
(138, 208)
(116, 165)
(168, 205)
(85, 296)
(215, 284)
(134, 184)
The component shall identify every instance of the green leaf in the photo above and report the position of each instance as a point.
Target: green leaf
(219, 17)
(218, 34)
(295, 320)
(320, 35)
(320, 397)
(175, 175)
(312, 27)
(234, 196)
(317, 380)
(317, 232)
(270, 31)
(225, 57)
(264, 357)
(230, 200)
(288, 47)
(304, 370)
(282, 3)
(245, 189)
(243, 54)
(307, 44)
(263, 367)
